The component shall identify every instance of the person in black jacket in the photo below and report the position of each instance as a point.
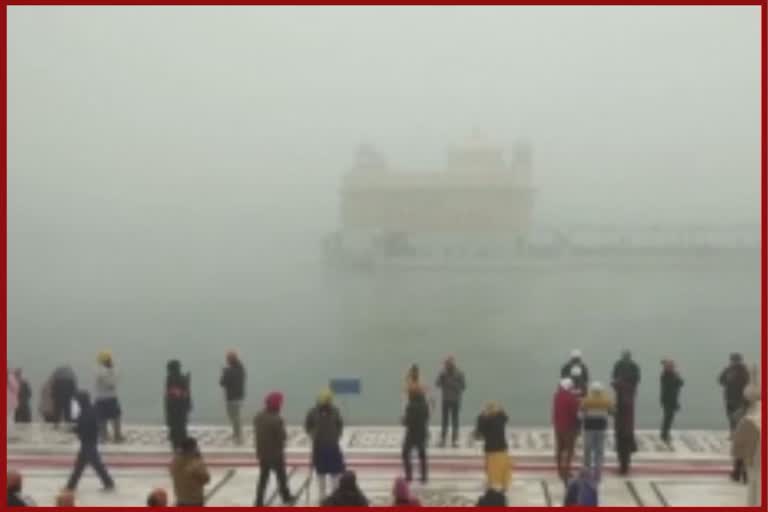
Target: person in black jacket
(416, 422)
(627, 372)
(233, 382)
(491, 428)
(347, 494)
(670, 393)
(452, 384)
(23, 413)
(87, 429)
(734, 379)
(178, 403)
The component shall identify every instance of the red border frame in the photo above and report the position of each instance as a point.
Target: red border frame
(763, 166)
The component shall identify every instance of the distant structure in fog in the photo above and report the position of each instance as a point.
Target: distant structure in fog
(478, 211)
(477, 192)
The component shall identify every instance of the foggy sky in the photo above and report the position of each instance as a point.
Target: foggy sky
(209, 120)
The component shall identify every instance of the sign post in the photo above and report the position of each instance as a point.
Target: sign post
(345, 387)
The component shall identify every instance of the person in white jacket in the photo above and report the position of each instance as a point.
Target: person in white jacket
(106, 401)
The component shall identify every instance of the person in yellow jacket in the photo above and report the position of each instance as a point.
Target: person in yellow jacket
(491, 428)
(596, 407)
(190, 474)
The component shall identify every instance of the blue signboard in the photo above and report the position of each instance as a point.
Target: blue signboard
(346, 386)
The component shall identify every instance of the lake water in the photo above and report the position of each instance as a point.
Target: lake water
(297, 323)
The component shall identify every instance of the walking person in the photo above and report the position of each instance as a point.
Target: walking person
(270, 437)
(565, 420)
(233, 381)
(63, 388)
(491, 428)
(671, 382)
(452, 384)
(576, 370)
(595, 408)
(627, 370)
(87, 429)
(324, 426)
(23, 412)
(178, 403)
(734, 379)
(190, 474)
(416, 421)
(105, 398)
(624, 424)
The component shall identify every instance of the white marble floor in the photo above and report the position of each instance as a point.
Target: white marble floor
(444, 488)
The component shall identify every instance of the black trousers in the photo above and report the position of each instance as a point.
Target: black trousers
(177, 429)
(265, 468)
(62, 402)
(666, 422)
(420, 445)
(450, 410)
(89, 455)
(730, 410)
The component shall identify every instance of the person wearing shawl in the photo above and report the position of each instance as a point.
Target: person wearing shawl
(324, 426)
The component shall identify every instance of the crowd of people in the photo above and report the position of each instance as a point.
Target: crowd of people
(581, 407)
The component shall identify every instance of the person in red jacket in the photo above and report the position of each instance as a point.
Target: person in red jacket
(565, 420)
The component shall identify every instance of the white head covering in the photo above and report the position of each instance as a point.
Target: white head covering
(596, 386)
(576, 371)
(566, 384)
(575, 353)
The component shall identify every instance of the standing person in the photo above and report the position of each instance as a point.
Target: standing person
(325, 427)
(401, 494)
(347, 494)
(627, 371)
(11, 401)
(23, 413)
(46, 407)
(178, 403)
(233, 381)
(63, 388)
(87, 429)
(734, 379)
(671, 382)
(579, 377)
(416, 421)
(565, 420)
(190, 474)
(624, 423)
(105, 398)
(746, 444)
(491, 428)
(270, 437)
(596, 407)
(452, 384)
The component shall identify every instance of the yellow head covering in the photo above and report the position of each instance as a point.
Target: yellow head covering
(105, 356)
(325, 397)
